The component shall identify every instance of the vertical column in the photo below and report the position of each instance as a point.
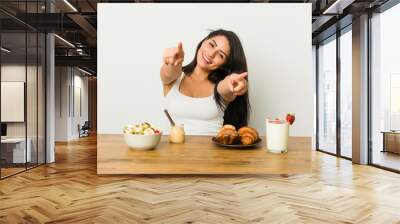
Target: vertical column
(315, 104)
(50, 92)
(360, 89)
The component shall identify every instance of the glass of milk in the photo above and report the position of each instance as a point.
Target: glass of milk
(277, 135)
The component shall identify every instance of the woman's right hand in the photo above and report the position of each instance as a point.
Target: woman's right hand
(174, 56)
(172, 67)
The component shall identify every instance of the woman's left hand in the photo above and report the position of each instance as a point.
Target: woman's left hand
(237, 83)
(233, 85)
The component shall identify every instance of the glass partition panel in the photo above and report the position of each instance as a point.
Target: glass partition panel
(14, 154)
(31, 100)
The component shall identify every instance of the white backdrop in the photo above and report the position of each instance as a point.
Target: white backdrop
(131, 37)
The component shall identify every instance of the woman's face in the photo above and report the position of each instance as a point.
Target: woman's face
(213, 53)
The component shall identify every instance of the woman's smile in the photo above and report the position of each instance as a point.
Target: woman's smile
(206, 59)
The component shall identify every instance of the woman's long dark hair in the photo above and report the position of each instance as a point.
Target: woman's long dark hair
(237, 111)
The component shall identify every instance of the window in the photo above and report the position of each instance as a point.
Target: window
(327, 96)
(385, 88)
(395, 101)
(346, 93)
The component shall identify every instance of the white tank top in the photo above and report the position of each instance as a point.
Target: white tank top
(200, 116)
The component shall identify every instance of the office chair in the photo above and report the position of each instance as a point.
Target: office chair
(84, 130)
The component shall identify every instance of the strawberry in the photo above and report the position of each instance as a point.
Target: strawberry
(290, 118)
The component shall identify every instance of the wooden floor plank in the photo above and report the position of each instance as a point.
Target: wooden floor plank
(70, 191)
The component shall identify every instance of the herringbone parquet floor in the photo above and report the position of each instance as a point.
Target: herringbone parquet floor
(69, 191)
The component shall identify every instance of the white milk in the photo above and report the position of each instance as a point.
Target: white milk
(277, 137)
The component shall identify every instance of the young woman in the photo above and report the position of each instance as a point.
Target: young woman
(211, 90)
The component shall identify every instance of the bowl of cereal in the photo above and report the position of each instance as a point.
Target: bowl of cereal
(142, 136)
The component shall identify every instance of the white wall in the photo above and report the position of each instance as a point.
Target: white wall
(131, 37)
(80, 83)
(61, 103)
(67, 80)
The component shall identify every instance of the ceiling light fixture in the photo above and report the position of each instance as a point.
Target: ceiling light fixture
(64, 40)
(84, 71)
(5, 50)
(331, 7)
(70, 5)
(337, 7)
(79, 51)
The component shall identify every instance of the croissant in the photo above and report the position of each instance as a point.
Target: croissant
(227, 134)
(248, 135)
(229, 126)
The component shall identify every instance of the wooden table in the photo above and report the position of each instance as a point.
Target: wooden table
(199, 155)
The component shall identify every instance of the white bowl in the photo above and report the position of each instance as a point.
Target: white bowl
(142, 142)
